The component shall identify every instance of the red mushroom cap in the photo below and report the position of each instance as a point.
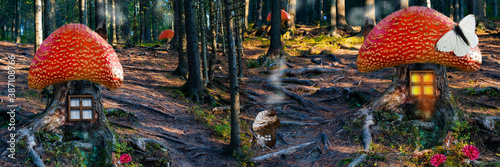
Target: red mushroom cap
(75, 52)
(409, 36)
(284, 16)
(167, 34)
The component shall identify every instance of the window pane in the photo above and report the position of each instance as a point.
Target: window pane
(87, 114)
(428, 77)
(75, 114)
(428, 90)
(86, 102)
(416, 90)
(415, 77)
(75, 102)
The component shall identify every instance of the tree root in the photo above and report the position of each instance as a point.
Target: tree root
(367, 138)
(145, 69)
(287, 151)
(295, 72)
(258, 140)
(292, 123)
(358, 160)
(297, 81)
(136, 104)
(292, 95)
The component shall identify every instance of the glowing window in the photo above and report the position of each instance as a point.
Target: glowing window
(423, 83)
(80, 108)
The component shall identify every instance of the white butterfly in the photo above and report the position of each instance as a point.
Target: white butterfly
(454, 40)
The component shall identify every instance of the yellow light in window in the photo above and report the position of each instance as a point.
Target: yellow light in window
(416, 90)
(428, 90)
(415, 77)
(428, 77)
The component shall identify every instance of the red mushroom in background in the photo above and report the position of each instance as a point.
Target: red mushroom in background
(72, 59)
(409, 36)
(74, 52)
(419, 92)
(284, 16)
(167, 34)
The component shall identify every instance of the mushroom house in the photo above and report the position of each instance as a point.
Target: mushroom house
(422, 44)
(75, 60)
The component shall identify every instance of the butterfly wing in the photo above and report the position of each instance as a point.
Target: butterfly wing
(468, 26)
(461, 48)
(447, 42)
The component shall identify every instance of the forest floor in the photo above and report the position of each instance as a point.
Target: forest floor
(196, 133)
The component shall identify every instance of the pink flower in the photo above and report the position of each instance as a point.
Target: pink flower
(438, 159)
(471, 151)
(125, 158)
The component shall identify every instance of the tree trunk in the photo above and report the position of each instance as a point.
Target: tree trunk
(495, 7)
(193, 86)
(341, 22)
(239, 44)
(235, 144)
(100, 11)
(135, 24)
(247, 7)
(333, 18)
(54, 120)
(173, 42)
(456, 10)
(17, 27)
(428, 3)
(258, 14)
(440, 110)
(38, 24)
(370, 9)
(83, 12)
(274, 52)
(49, 21)
(462, 9)
(403, 4)
(214, 31)
(113, 21)
(147, 22)
(204, 42)
(317, 11)
(292, 10)
(182, 66)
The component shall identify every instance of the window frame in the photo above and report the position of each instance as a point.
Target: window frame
(80, 107)
(423, 84)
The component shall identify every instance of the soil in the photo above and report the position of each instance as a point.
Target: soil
(201, 145)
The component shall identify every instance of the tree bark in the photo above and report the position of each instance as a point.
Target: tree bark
(292, 10)
(495, 7)
(247, 8)
(49, 21)
(135, 24)
(100, 17)
(456, 10)
(274, 52)
(428, 3)
(370, 9)
(258, 14)
(341, 22)
(17, 24)
(235, 143)
(213, 32)
(333, 18)
(317, 11)
(440, 110)
(83, 12)
(403, 4)
(182, 66)
(38, 24)
(113, 21)
(54, 120)
(193, 85)
(204, 42)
